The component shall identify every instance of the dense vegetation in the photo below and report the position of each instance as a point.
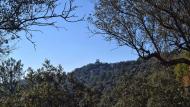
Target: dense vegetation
(124, 84)
(154, 28)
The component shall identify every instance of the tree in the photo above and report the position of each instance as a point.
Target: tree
(10, 76)
(24, 15)
(45, 87)
(49, 86)
(154, 28)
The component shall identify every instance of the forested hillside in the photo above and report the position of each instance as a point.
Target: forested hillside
(134, 84)
(125, 84)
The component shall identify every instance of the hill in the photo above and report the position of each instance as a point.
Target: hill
(133, 84)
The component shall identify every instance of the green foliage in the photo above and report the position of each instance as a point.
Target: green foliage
(48, 86)
(181, 70)
(124, 84)
(10, 76)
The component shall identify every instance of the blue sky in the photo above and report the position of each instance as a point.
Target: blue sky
(72, 46)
